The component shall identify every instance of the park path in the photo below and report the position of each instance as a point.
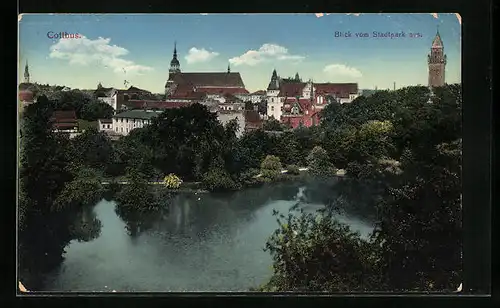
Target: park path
(340, 172)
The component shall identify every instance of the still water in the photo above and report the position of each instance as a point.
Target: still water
(206, 243)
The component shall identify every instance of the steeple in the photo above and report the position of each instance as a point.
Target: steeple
(437, 42)
(274, 84)
(297, 78)
(26, 73)
(228, 69)
(175, 66)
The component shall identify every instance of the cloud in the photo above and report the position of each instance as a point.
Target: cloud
(266, 52)
(196, 55)
(341, 70)
(84, 51)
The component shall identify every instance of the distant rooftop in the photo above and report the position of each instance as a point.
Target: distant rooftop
(138, 114)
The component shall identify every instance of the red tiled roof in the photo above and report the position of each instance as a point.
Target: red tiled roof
(182, 90)
(219, 79)
(59, 125)
(291, 89)
(339, 89)
(222, 90)
(139, 104)
(64, 115)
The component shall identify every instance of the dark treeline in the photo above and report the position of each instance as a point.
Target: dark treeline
(401, 151)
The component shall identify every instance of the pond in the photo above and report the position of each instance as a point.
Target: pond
(206, 242)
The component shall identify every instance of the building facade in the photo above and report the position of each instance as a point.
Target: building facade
(105, 125)
(281, 90)
(124, 122)
(436, 61)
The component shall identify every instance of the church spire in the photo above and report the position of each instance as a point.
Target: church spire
(175, 66)
(26, 73)
(437, 42)
(228, 69)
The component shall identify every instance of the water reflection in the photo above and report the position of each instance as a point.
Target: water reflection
(203, 242)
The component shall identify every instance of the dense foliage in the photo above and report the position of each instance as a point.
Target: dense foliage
(405, 146)
(401, 151)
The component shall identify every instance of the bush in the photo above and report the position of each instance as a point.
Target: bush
(319, 163)
(270, 168)
(293, 170)
(314, 252)
(217, 180)
(172, 181)
(248, 177)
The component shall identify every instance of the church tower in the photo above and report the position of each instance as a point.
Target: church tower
(26, 73)
(175, 68)
(437, 62)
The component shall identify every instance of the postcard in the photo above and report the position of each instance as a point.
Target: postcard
(240, 153)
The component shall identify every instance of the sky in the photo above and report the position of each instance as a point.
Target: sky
(120, 50)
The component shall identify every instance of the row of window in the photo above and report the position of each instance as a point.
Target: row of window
(132, 120)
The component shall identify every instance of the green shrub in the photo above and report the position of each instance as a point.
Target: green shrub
(270, 168)
(293, 170)
(218, 180)
(172, 181)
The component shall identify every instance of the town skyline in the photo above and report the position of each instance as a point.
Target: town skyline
(114, 48)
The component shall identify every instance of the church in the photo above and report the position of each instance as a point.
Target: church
(197, 84)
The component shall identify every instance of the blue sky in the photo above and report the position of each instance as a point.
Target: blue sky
(138, 48)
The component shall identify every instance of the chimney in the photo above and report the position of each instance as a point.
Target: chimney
(394, 86)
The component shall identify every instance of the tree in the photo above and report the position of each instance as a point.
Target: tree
(420, 229)
(43, 159)
(94, 110)
(316, 252)
(273, 125)
(270, 168)
(85, 189)
(218, 180)
(138, 195)
(92, 148)
(319, 163)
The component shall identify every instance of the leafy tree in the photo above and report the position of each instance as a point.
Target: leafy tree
(85, 189)
(316, 252)
(286, 147)
(138, 195)
(273, 125)
(94, 110)
(43, 159)
(319, 164)
(420, 229)
(217, 179)
(251, 149)
(270, 168)
(92, 148)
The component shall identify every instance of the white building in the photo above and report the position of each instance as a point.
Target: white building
(105, 125)
(225, 116)
(125, 122)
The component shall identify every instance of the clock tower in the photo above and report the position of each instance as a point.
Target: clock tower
(436, 61)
